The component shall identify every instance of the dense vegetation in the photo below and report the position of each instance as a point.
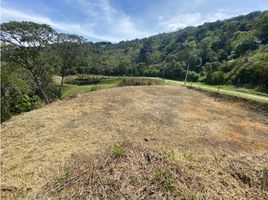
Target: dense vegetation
(233, 51)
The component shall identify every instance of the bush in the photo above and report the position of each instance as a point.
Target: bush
(164, 179)
(152, 72)
(215, 78)
(140, 81)
(193, 76)
(17, 92)
(13, 102)
(85, 80)
(118, 151)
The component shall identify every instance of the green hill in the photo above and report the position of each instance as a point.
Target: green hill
(232, 51)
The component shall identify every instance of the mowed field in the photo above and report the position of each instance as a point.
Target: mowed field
(200, 130)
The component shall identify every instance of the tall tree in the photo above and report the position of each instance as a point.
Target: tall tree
(26, 43)
(68, 47)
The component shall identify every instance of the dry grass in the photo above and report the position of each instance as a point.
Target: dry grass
(140, 173)
(162, 118)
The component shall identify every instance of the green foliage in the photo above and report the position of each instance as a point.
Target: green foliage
(193, 76)
(246, 45)
(67, 49)
(215, 78)
(27, 45)
(206, 49)
(164, 180)
(170, 155)
(262, 28)
(251, 70)
(140, 81)
(17, 95)
(233, 51)
(118, 151)
(85, 80)
(189, 156)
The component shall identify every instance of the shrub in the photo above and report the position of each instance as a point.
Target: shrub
(189, 156)
(164, 179)
(215, 78)
(118, 151)
(193, 76)
(85, 80)
(140, 81)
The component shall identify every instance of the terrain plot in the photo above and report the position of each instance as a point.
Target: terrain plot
(163, 118)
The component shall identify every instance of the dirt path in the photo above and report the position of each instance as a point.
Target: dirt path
(161, 117)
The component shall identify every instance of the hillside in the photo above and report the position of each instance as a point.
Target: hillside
(219, 148)
(232, 51)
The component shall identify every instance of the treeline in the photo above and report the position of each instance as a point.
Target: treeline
(31, 54)
(233, 51)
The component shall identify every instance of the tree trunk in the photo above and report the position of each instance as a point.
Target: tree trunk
(218, 90)
(44, 95)
(186, 76)
(61, 86)
(40, 87)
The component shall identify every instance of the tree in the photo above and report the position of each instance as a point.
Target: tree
(215, 78)
(17, 92)
(262, 28)
(145, 52)
(25, 44)
(193, 61)
(246, 45)
(67, 48)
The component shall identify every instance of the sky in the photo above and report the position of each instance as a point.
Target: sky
(117, 20)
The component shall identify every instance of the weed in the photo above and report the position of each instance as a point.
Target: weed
(170, 154)
(265, 177)
(189, 156)
(94, 88)
(163, 179)
(67, 172)
(13, 167)
(194, 196)
(118, 151)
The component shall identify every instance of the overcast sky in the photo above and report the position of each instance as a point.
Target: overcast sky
(116, 20)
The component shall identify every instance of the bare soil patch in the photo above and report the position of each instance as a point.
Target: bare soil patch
(198, 129)
(250, 104)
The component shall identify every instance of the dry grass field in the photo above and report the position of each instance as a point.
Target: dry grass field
(213, 140)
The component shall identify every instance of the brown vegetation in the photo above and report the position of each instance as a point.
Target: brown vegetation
(213, 143)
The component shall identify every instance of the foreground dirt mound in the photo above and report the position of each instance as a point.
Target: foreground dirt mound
(131, 172)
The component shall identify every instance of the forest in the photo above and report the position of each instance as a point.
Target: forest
(228, 52)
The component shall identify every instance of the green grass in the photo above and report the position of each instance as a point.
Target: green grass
(170, 154)
(164, 179)
(109, 82)
(244, 93)
(118, 151)
(114, 81)
(189, 156)
(69, 90)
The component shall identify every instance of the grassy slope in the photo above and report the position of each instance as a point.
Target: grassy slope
(114, 81)
(228, 90)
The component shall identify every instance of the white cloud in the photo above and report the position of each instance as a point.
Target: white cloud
(8, 14)
(105, 19)
(191, 19)
(105, 23)
(102, 21)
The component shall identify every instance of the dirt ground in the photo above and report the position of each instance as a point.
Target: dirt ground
(163, 118)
